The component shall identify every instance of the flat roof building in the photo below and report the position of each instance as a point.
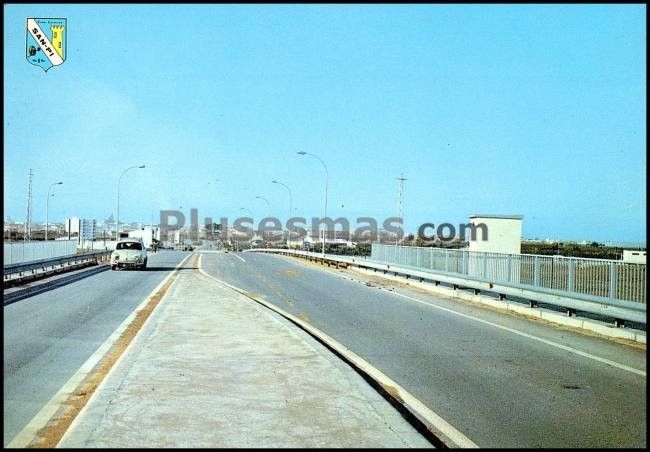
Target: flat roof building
(496, 233)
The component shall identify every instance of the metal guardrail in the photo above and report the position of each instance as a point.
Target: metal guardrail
(31, 290)
(488, 281)
(43, 264)
(607, 279)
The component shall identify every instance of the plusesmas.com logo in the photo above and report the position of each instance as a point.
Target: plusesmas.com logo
(45, 43)
(366, 231)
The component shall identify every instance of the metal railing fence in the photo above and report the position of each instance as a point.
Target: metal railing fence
(615, 280)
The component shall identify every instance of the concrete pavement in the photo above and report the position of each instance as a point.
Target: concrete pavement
(211, 368)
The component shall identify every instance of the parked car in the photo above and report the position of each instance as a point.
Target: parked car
(129, 253)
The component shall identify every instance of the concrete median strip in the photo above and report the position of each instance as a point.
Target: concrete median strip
(212, 368)
(439, 431)
(51, 422)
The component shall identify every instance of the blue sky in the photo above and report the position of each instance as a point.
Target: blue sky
(525, 109)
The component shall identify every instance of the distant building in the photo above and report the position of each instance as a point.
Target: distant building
(634, 256)
(108, 225)
(72, 226)
(503, 233)
(81, 228)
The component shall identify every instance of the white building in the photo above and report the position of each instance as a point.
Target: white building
(634, 256)
(503, 233)
(72, 226)
(494, 234)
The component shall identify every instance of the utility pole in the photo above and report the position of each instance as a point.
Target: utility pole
(27, 235)
(400, 205)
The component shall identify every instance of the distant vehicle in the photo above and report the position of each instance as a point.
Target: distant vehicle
(146, 234)
(129, 253)
(182, 247)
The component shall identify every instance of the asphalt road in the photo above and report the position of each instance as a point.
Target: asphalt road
(49, 336)
(498, 387)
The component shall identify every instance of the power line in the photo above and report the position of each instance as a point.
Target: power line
(400, 200)
(27, 235)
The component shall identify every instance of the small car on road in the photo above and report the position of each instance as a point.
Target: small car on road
(129, 253)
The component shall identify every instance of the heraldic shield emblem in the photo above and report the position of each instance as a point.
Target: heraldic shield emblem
(46, 42)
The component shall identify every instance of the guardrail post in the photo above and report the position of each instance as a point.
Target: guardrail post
(465, 262)
(536, 271)
(509, 267)
(645, 284)
(485, 265)
(612, 281)
(571, 276)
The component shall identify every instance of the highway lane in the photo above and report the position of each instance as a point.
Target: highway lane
(499, 388)
(49, 336)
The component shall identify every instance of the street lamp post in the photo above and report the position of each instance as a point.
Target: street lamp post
(267, 203)
(117, 231)
(290, 207)
(289, 190)
(269, 212)
(326, 178)
(47, 206)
